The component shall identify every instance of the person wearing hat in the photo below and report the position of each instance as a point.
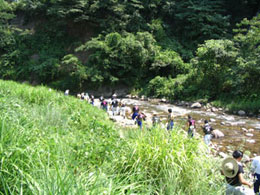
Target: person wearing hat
(233, 170)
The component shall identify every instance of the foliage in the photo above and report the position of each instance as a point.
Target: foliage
(214, 63)
(83, 44)
(129, 58)
(247, 40)
(56, 144)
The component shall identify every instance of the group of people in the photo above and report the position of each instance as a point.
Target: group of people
(119, 108)
(233, 171)
(232, 168)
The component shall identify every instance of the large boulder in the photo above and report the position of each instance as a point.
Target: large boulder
(217, 133)
(241, 113)
(196, 105)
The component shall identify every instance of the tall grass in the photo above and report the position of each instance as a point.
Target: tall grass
(54, 144)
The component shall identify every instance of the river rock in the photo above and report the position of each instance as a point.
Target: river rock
(251, 141)
(208, 105)
(196, 105)
(222, 123)
(251, 130)
(212, 120)
(249, 134)
(217, 133)
(241, 113)
(223, 155)
(213, 109)
(128, 96)
(187, 104)
(244, 129)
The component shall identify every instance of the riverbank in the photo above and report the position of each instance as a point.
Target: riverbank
(56, 144)
(235, 106)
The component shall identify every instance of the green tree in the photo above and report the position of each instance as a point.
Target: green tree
(247, 40)
(214, 61)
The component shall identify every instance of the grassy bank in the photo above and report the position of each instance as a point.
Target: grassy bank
(54, 144)
(236, 104)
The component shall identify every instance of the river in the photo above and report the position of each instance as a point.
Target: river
(240, 132)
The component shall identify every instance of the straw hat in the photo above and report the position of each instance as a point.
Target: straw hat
(230, 167)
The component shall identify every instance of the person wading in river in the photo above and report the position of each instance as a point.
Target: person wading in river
(207, 129)
(135, 111)
(170, 120)
(140, 118)
(191, 126)
(233, 170)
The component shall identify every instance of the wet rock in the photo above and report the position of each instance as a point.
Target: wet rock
(222, 123)
(249, 134)
(244, 129)
(208, 105)
(196, 105)
(144, 98)
(212, 120)
(223, 155)
(213, 109)
(187, 104)
(251, 130)
(163, 100)
(217, 133)
(208, 110)
(220, 109)
(251, 141)
(128, 96)
(241, 113)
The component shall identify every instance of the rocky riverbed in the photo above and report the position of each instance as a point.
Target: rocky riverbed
(240, 132)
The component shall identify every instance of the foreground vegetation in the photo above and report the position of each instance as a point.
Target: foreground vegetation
(55, 144)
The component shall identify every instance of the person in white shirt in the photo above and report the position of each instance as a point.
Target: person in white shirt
(256, 172)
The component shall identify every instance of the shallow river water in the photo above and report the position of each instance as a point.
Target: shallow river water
(240, 132)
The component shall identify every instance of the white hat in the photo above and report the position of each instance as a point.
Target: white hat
(230, 167)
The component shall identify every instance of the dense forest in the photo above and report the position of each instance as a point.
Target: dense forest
(208, 49)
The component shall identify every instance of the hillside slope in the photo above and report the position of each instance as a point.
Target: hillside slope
(55, 144)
